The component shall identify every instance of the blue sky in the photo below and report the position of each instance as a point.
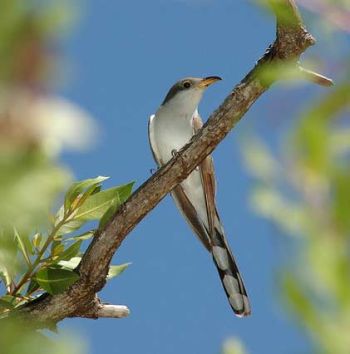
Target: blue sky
(124, 56)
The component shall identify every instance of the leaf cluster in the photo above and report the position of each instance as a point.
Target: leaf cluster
(46, 260)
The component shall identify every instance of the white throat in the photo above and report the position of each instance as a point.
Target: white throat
(171, 128)
(182, 105)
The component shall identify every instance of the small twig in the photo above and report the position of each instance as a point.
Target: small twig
(315, 77)
(41, 252)
(113, 311)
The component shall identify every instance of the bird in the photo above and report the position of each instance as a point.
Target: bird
(169, 129)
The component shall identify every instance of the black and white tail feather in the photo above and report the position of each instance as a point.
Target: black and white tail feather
(229, 273)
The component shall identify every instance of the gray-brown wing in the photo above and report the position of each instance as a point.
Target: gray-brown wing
(190, 214)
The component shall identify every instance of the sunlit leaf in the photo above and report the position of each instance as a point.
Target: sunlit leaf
(57, 250)
(8, 302)
(70, 226)
(78, 188)
(5, 277)
(116, 270)
(37, 239)
(84, 236)
(25, 246)
(71, 264)
(96, 205)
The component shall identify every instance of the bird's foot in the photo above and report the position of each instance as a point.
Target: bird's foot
(174, 153)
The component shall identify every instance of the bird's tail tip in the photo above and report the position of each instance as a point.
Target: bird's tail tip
(242, 312)
(236, 294)
(230, 276)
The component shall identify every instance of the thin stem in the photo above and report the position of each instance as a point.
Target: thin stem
(47, 243)
(79, 201)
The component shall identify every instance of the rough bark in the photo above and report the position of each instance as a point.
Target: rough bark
(292, 39)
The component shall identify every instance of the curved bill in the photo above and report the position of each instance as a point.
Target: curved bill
(207, 81)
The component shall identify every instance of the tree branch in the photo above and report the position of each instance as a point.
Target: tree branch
(292, 39)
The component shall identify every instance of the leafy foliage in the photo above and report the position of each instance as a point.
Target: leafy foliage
(31, 179)
(49, 258)
(17, 339)
(306, 193)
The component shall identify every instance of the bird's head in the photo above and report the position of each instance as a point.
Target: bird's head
(185, 95)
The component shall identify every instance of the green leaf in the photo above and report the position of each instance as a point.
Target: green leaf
(70, 226)
(33, 286)
(55, 280)
(59, 215)
(71, 251)
(79, 187)
(125, 191)
(85, 236)
(25, 246)
(57, 249)
(71, 264)
(96, 205)
(37, 238)
(108, 214)
(116, 270)
(8, 302)
(5, 277)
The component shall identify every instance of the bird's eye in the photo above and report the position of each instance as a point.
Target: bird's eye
(187, 84)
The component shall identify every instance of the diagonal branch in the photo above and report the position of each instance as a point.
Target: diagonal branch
(292, 39)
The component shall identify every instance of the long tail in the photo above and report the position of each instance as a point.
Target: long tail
(229, 274)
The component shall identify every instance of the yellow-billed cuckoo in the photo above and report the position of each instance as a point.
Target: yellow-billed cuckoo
(170, 128)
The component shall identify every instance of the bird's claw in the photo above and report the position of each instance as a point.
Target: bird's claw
(174, 153)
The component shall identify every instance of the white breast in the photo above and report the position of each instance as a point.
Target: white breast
(168, 133)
